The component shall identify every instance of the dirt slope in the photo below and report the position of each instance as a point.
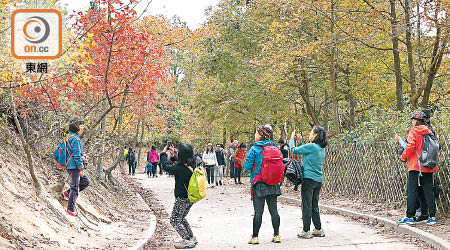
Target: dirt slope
(111, 218)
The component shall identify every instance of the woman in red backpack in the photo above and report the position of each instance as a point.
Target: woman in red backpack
(239, 157)
(261, 192)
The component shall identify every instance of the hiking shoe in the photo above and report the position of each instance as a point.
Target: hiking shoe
(405, 221)
(305, 235)
(184, 244)
(318, 233)
(66, 195)
(74, 214)
(194, 240)
(276, 239)
(431, 221)
(422, 219)
(253, 241)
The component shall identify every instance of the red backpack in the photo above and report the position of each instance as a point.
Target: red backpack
(272, 167)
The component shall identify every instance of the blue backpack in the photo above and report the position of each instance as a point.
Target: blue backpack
(62, 156)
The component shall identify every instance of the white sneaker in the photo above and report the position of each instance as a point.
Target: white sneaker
(305, 235)
(194, 240)
(318, 233)
(184, 244)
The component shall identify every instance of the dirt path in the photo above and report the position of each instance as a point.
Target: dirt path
(223, 220)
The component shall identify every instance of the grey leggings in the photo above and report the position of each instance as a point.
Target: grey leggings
(258, 205)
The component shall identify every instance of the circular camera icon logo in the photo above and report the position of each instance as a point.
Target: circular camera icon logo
(36, 29)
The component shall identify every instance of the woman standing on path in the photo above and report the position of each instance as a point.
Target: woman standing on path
(313, 159)
(239, 157)
(261, 192)
(418, 174)
(153, 158)
(182, 204)
(78, 180)
(210, 161)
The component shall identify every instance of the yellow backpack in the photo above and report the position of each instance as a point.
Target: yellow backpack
(197, 184)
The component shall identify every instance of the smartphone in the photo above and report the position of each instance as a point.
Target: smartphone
(169, 144)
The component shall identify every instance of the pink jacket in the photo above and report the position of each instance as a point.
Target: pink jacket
(153, 156)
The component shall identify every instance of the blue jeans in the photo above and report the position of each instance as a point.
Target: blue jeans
(77, 184)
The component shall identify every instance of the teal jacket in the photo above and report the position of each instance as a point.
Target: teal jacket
(76, 148)
(313, 159)
(254, 158)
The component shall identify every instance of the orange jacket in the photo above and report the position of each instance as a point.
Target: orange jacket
(415, 144)
(239, 157)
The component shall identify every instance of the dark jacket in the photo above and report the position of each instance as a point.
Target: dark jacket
(182, 175)
(220, 158)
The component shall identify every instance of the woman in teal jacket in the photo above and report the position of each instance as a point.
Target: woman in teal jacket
(313, 159)
(75, 168)
(261, 192)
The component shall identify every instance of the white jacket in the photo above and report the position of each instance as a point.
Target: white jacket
(210, 158)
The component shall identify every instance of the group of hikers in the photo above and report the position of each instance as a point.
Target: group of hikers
(181, 162)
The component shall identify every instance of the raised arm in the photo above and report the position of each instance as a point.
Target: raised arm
(165, 164)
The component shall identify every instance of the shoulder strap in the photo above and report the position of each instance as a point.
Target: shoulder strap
(68, 138)
(189, 167)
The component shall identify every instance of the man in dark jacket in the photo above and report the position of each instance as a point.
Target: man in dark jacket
(131, 158)
(220, 155)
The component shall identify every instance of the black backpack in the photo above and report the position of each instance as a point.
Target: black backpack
(294, 172)
(132, 157)
(430, 151)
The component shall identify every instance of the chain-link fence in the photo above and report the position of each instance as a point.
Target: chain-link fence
(374, 171)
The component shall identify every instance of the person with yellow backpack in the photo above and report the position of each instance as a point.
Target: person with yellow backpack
(190, 187)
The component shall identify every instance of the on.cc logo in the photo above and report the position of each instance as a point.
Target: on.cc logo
(36, 34)
(39, 26)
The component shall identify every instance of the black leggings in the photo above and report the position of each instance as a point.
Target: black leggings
(237, 175)
(210, 173)
(258, 205)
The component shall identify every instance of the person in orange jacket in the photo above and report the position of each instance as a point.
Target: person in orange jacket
(417, 174)
(239, 159)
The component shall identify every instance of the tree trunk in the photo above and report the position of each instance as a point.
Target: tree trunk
(409, 48)
(325, 111)
(336, 122)
(99, 171)
(414, 100)
(304, 93)
(397, 69)
(25, 144)
(121, 140)
(350, 99)
(140, 143)
(436, 60)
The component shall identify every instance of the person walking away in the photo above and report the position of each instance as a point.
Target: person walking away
(284, 148)
(131, 158)
(182, 204)
(239, 157)
(210, 161)
(233, 147)
(313, 159)
(262, 192)
(220, 156)
(153, 158)
(76, 166)
(417, 174)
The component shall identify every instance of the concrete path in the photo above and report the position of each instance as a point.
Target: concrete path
(223, 220)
